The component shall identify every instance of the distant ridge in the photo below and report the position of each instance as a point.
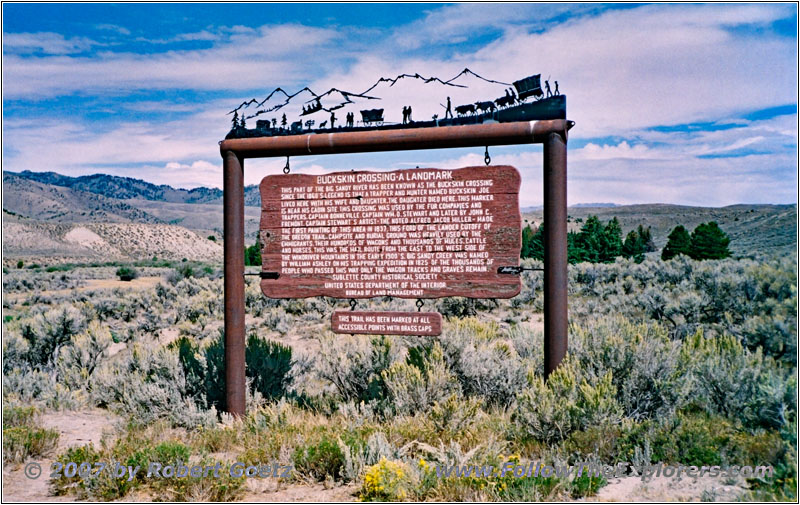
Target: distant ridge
(125, 188)
(576, 206)
(56, 201)
(593, 205)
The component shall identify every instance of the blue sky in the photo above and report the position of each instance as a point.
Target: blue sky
(675, 103)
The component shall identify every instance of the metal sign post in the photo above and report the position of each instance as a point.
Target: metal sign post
(551, 133)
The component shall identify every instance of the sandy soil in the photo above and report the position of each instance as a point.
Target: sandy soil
(632, 489)
(107, 241)
(267, 491)
(90, 240)
(76, 429)
(140, 283)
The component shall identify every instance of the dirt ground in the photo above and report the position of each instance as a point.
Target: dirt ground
(633, 489)
(75, 429)
(89, 427)
(269, 492)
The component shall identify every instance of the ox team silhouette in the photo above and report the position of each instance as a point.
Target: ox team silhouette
(524, 100)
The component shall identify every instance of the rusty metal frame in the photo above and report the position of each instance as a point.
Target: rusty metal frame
(552, 133)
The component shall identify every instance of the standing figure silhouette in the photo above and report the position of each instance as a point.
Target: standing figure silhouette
(448, 113)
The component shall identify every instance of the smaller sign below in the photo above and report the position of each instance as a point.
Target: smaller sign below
(387, 323)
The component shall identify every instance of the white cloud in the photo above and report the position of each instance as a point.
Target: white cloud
(44, 42)
(114, 28)
(246, 60)
(592, 151)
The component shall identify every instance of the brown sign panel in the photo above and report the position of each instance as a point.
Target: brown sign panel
(387, 323)
(419, 233)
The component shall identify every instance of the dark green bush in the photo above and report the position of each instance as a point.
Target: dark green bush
(268, 364)
(126, 273)
(320, 460)
(586, 485)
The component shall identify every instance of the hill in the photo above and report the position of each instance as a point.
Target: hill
(50, 198)
(123, 188)
(46, 202)
(104, 241)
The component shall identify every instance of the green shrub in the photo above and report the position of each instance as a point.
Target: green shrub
(214, 380)
(454, 413)
(484, 364)
(354, 367)
(28, 440)
(417, 387)
(456, 307)
(268, 364)
(19, 416)
(149, 384)
(320, 460)
(127, 273)
(567, 402)
(50, 331)
(586, 485)
(642, 360)
(730, 380)
(98, 486)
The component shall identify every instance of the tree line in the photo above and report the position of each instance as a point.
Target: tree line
(603, 243)
(597, 242)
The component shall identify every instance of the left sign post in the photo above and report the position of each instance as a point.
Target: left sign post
(233, 199)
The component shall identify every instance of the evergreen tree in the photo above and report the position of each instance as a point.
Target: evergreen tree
(646, 238)
(527, 239)
(678, 242)
(633, 247)
(252, 254)
(537, 244)
(612, 241)
(573, 250)
(590, 240)
(709, 242)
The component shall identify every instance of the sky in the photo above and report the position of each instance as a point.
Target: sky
(692, 104)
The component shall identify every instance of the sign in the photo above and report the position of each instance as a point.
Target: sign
(387, 323)
(419, 233)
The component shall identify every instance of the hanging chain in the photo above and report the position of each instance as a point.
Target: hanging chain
(352, 304)
(286, 168)
(486, 158)
(420, 303)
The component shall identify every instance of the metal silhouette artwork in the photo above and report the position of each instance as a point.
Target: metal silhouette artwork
(523, 100)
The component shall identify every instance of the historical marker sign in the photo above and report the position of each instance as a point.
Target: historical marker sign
(419, 233)
(387, 323)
